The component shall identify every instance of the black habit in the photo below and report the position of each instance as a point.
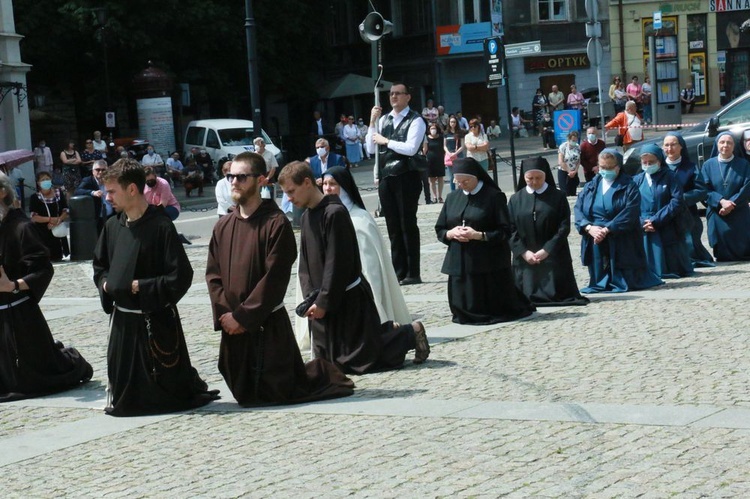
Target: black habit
(481, 289)
(31, 362)
(350, 334)
(542, 221)
(148, 363)
(249, 266)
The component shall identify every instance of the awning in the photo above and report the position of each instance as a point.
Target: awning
(351, 84)
(15, 157)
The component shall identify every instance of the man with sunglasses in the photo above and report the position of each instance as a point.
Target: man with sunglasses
(93, 186)
(250, 259)
(398, 137)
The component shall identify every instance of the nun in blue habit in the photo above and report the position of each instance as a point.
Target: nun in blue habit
(607, 214)
(677, 158)
(727, 180)
(664, 217)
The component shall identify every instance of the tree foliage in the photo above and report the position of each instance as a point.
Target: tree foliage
(201, 42)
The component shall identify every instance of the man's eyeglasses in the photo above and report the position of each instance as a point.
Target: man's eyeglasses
(241, 177)
(100, 169)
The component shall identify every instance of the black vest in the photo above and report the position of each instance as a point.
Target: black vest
(391, 162)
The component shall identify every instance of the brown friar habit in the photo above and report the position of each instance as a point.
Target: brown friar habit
(350, 334)
(31, 362)
(148, 364)
(248, 270)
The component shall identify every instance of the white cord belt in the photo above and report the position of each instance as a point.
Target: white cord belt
(13, 304)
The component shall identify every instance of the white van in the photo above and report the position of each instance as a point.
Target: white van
(225, 138)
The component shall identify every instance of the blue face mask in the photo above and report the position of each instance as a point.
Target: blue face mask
(608, 174)
(45, 184)
(650, 169)
(151, 153)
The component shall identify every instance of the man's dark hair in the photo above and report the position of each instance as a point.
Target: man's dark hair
(296, 172)
(406, 85)
(255, 160)
(126, 172)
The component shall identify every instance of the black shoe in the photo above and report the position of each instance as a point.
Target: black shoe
(410, 280)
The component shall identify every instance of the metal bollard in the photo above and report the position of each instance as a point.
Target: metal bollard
(83, 233)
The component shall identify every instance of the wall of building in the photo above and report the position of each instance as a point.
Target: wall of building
(637, 15)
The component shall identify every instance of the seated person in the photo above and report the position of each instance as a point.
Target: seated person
(192, 178)
(175, 168)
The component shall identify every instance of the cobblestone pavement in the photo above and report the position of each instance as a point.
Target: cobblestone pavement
(640, 394)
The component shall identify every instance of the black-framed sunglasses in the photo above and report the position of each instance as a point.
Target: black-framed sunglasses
(241, 177)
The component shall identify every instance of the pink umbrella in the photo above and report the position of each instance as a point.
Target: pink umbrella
(10, 159)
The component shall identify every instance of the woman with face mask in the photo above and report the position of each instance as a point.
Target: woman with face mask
(607, 214)
(664, 217)
(49, 208)
(568, 163)
(678, 160)
(727, 181)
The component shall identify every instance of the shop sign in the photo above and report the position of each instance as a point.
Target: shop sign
(728, 5)
(462, 39)
(676, 8)
(556, 62)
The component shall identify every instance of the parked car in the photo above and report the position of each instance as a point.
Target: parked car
(734, 117)
(136, 147)
(225, 138)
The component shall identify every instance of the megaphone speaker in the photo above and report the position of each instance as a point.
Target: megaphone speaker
(374, 27)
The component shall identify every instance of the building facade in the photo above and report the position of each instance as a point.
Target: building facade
(437, 47)
(14, 108)
(712, 50)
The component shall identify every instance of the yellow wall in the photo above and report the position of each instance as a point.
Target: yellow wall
(633, 14)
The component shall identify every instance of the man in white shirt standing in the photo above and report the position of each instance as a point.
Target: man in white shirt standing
(398, 136)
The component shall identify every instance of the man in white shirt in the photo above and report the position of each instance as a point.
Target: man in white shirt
(493, 131)
(267, 191)
(223, 191)
(399, 178)
(175, 167)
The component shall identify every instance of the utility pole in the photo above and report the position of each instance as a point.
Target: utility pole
(252, 67)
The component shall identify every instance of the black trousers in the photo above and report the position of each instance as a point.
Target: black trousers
(399, 197)
(426, 186)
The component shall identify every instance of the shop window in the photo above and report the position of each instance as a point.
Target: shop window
(552, 10)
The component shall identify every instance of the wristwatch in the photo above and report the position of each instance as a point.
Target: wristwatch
(16, 287)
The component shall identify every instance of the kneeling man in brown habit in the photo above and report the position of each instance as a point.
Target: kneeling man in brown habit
(344, 320)
(250, 261)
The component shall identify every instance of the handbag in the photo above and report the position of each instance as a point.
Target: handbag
(61, 229)
(448, 159)
(620, 137)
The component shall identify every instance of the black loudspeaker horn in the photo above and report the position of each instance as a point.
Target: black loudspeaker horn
(374, 27)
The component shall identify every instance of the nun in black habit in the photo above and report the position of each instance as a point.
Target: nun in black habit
(475, 225)
(540, 224)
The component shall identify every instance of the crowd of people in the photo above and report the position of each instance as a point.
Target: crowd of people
(504, 257)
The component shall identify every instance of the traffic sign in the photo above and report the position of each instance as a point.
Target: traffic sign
(565, 122)
(592, 9)
(594, 52)
(109, 118)
(493, 61)
(657, 20)
(523, 49)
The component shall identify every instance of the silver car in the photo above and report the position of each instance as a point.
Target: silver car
(734, 117)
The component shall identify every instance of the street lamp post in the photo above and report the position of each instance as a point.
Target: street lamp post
(252, 65)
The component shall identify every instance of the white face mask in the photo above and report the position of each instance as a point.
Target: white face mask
(321, 151)
(592, 138)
